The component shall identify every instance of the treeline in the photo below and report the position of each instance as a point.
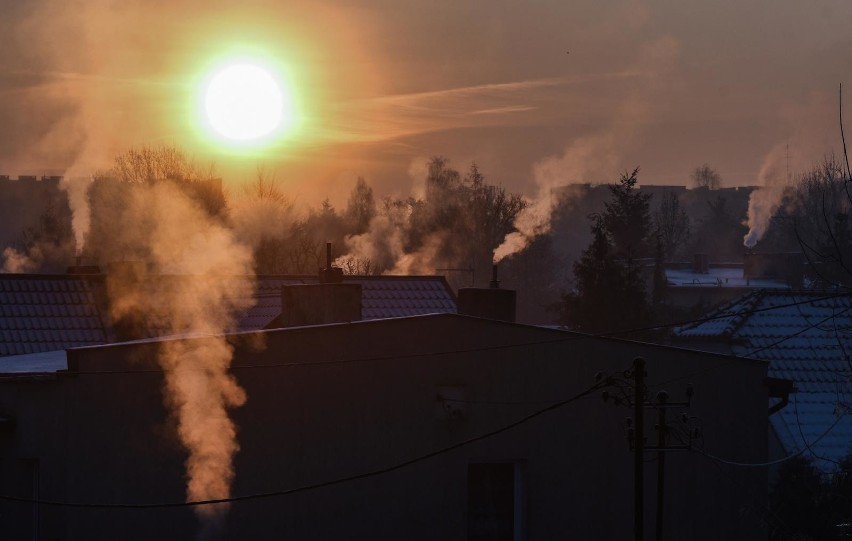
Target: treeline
(605, 247)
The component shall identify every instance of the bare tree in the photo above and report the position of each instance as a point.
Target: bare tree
(361, 207)
(135, 173)
(705, 176)
(265, 188)
(672, 224)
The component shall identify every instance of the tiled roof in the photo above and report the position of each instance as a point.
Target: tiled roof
(807, 337)
(47, 313)
(381, 297)
(53, 312)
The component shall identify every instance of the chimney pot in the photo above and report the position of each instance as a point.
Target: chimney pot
(701, 263)
(318, 304)
(330, 275)
(495, 283)
(489, 303)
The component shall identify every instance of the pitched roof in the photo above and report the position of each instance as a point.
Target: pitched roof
(807, 337)
(41, 313)
(381, 297)
(48, 312)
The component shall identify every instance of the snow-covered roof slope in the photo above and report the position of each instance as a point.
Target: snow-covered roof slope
(806, 336)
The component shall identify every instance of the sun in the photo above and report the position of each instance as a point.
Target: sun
(244, 103)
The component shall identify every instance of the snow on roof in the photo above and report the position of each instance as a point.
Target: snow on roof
(34, 363)
(807, 337)
(717, 276)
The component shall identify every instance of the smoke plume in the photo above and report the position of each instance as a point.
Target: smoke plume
(194, 294)
(597, 156)
(809, 124)
(765, 200)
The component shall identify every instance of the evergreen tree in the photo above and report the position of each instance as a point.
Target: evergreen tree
(610, 291)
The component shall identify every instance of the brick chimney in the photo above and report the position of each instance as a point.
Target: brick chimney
(330, 301)
(489, 303)
(700, 263)
(318, 304)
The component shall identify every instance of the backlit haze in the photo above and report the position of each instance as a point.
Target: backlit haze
(537, 93)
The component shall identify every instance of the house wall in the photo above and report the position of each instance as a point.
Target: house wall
(365, 397)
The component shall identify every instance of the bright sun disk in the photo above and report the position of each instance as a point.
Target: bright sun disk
(243, 102)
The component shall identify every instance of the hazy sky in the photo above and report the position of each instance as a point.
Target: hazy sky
(546, 92)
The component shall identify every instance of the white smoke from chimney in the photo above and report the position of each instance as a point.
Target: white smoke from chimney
(591, 156)
(422, 260)
(382, 246)
(77, 187)
(811, 136)
(17, 262)
(195, 294)
(765, 200)
(595, 156)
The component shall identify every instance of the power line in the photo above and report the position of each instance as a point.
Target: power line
(795, 334)
(305, 488)
(758, 350)
(771, 462)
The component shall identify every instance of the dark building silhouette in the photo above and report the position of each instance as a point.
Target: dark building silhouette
(343, 405)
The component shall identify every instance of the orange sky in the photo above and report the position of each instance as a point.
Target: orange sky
(383, 85)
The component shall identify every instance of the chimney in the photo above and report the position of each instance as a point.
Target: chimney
(495, 283)
(318, 304)
(329, 274)
(700, 263)
(79, 268)
(490, 303)
(330, 301)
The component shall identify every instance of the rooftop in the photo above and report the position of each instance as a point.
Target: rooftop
(41, 313)
(720, 276)
(807, 337)
(48, 312)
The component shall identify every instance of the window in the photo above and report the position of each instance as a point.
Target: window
(494, 501)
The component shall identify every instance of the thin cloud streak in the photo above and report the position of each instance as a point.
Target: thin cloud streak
(504, 110)
(515, 103)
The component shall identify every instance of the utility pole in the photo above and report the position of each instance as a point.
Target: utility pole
(638, 448)
(631, 391)
(662, 398)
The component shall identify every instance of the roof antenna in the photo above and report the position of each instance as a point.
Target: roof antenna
(843, 137)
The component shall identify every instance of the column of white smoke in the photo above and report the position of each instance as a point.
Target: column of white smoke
(592, 155)
(202, 300)
(596, 156)
(765, 200)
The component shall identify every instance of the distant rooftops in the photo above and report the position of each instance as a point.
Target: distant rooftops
(720, 275)
(42, 313)
(805, 336)
(31, 178)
